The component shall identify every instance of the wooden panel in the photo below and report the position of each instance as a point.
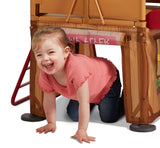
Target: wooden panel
(119, 9)
(126, 81)
(87, 49)
(123, 9)
(36, 95)
(134, 72)
(61, 6)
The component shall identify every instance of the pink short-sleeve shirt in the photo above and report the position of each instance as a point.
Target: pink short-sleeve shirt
(99, 72)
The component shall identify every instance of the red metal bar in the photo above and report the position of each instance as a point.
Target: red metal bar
(18, 86)
(24, 84)
(21, 100)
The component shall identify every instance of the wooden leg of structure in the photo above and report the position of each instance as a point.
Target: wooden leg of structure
(86, 49)
(136, 84)
(36, 95)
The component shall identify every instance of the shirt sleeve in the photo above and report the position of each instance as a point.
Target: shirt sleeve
(44, 83)
(78, 75)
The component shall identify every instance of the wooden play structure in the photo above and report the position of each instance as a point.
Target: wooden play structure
(111, 22)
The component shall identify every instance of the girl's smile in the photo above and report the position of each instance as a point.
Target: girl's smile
(51, 56)
(48, 66)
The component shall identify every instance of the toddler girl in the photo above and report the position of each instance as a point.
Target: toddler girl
(84, 80)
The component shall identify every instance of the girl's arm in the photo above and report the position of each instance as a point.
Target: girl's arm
(84, 114)
(49, 105)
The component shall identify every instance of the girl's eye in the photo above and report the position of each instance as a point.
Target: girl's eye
(39, 55)
(50, 52)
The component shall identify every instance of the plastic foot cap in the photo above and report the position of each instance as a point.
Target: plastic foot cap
(142, 128)
(31, 118)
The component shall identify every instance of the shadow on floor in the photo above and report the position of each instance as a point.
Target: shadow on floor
(61, 113)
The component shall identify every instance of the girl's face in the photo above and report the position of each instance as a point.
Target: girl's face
(51, 56)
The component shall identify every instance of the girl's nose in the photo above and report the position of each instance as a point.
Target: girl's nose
(45, 57)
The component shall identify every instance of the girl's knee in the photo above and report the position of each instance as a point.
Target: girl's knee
(72, 110)
(109, 118)
(72, 116)
(109, 110)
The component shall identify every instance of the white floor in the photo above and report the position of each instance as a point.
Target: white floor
(15, 45)
(22, 134)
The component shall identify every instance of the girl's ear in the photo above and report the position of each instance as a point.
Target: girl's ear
(66, 52)
(67, 49)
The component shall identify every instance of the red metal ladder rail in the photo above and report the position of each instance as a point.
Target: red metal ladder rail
(19, 85)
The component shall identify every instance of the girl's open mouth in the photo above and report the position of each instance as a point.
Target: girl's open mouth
(48, 66)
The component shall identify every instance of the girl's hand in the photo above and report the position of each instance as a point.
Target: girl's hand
(50, 127)
(81, 136)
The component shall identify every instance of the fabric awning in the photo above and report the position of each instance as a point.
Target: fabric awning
(95, 37)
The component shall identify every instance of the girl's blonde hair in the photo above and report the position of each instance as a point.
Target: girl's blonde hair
(47, 32)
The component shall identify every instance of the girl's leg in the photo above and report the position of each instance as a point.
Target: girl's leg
(73, 109)
(111, 107)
